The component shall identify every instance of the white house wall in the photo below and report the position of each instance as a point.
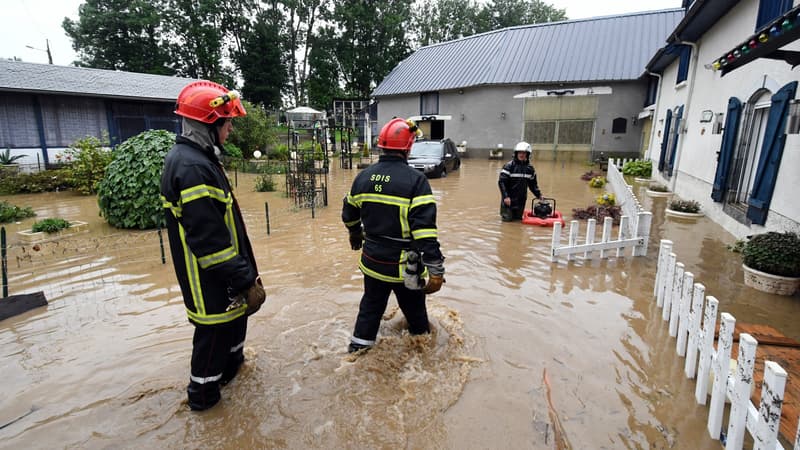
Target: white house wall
(697, 154)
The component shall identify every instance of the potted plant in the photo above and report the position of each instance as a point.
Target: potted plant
(688, 209)
(640, 170)
(8, 162)
(597, 182)
(658, 190)
(771, 262)
(50, 227)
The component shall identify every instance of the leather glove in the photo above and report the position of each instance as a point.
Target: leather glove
(254, 296)
(356, 239)
(434, 284)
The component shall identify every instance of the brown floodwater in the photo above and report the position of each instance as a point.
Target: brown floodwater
(106, 363)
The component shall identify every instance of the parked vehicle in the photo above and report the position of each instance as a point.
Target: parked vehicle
(434, 158)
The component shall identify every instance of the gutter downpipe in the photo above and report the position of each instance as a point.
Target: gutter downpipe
(682, 142)
(655, 112)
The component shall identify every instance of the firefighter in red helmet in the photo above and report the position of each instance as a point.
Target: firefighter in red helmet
(390, 212)
(212, 255)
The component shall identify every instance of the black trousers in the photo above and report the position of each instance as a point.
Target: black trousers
(513, 212)
(217, 353)
(373, 305)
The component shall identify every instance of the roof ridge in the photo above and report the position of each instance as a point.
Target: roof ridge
(90, 69)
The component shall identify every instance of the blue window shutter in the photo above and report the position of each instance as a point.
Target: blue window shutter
(771, 152)
(683, 63)
(726, 150)
(664, 140)
(674, 150)
(769, 10)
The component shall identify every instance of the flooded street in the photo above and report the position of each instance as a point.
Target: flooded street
(106, 364)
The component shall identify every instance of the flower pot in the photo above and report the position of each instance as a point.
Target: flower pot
(658, 194)
(772, 284)
(641, 180)
(683, 215)
(29, 237)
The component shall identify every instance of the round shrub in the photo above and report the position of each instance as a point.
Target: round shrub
(774, 253)
(129, 194)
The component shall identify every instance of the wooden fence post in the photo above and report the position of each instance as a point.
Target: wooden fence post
(671, 262)
(683, 314)
(769, 412)
(675, 299)
(590, 227)
(661, 275)
(695, 333)
(645, 218)
(740, 401)
(608, 222)
(556, 241)
(721, 368)
(706, 349)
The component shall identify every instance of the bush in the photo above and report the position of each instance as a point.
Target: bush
(687, 206)
(280, 153)
(597, 182)
(89, 162)
(638, 168)
(129, 195)
(598, 213)
(232, 150)
(606, 199)
(774, 253)
(13, 213)
(253, 131)
(50, 225)
(33, 183)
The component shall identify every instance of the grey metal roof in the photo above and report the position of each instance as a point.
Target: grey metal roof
(51, 79)
(598, 49)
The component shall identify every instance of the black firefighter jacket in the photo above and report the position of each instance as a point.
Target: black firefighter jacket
(209, 245)
(398, 212)
(515, 180)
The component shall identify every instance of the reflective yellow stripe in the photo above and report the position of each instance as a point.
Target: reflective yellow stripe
(203, 190)
(379, 276)
(425, 233)
(229, 221)
(379, 198)
(422, 200)
(404, 227)
(192, 274)
(214, 319)
(166, 204)
(350, 224)
(216, 258)
(350, 200)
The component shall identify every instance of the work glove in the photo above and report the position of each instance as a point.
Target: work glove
(356, 239)
(254, 296)
(434, 284)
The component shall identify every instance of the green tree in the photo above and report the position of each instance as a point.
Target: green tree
(324, 78)
(120, 35)
(301, 19)
(262, 62)
(253, 131)
(89, 161)
(371, 39)
(498, 14)
(129, 194)
(444, 20)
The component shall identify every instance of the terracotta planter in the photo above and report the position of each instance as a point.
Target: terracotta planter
(772, 284)
(28, 236)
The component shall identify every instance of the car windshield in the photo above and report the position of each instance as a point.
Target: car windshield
(426, 150)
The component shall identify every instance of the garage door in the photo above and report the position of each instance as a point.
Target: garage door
(560, 127)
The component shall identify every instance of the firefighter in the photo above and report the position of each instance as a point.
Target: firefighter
(390, 210)
(517, 176)
(212, 255)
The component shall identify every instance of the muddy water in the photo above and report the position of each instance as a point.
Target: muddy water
(106, 363)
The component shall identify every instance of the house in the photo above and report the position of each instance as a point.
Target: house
(727, 116)
(44, 108)
(572, 89)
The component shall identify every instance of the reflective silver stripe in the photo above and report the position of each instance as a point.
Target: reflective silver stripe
(505, 172)
(236, 348)
(201, 380)
(521, 175)
(360, 341)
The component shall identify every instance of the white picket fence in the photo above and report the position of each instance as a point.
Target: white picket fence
(632, 233)
(681, 300)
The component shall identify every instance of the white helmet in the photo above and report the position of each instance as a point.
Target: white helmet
(523, 147)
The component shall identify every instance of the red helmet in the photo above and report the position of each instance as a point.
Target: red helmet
(206, 101)
(398, 134)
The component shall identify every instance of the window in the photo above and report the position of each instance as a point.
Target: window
(619, 126)
(67, 119)
(652, 91)
(769, 10)
(745, 158)
(18, 125)
(429, 103)
(684, 53)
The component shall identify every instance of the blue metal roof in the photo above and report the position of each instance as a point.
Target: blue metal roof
(17, 76)
(612, 48)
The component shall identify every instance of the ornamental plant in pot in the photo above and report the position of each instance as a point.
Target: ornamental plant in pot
(772, 262)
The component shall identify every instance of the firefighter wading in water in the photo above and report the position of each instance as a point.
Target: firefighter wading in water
(210, 249)
(391, 211)
(516, 177)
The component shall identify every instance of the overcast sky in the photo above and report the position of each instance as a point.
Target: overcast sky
(34, 22)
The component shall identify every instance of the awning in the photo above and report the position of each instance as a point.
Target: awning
(765, 43)
(645, 114)
(429, 118)
(569, 92)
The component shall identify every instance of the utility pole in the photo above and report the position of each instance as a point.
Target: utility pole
(49, 55)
